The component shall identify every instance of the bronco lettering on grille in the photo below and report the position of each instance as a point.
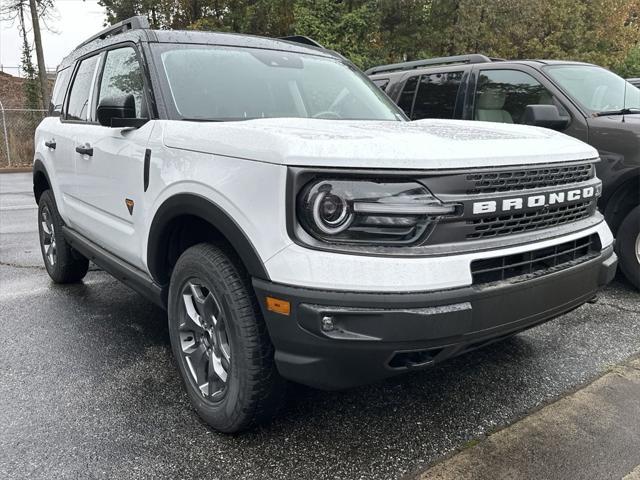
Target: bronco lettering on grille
(533, 201)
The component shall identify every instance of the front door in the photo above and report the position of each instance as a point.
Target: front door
(110, 163)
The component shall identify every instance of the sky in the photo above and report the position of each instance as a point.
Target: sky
(74, 22)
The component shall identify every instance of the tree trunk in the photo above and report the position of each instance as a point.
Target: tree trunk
(42, 69)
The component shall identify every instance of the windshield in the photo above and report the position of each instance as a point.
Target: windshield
(595, 88)
(223, 83)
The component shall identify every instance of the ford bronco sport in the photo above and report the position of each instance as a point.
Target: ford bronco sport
(294, 224)
(579, 99)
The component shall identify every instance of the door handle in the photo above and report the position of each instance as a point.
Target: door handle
(85, 150)
(50, 144)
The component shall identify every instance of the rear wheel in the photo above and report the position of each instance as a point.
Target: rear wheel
(220, 342)
(628, 246)
(63, 263)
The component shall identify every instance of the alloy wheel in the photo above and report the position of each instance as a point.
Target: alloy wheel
(48, 236)
(204, 342)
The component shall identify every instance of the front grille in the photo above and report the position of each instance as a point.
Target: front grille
(536, 262)
(530, 221)
(541, 177)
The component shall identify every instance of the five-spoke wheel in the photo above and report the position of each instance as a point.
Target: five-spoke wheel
(220, 340)
(204, 340)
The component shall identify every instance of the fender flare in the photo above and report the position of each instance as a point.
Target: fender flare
(39, 169)
(197, 206)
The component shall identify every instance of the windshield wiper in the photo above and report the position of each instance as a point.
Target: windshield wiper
(622, 111)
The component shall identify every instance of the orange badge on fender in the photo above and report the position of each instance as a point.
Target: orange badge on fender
(129, 204)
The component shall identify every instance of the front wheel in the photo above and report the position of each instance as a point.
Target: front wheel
(220, 342)
(628, 246)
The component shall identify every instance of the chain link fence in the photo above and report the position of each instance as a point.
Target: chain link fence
(17, 128)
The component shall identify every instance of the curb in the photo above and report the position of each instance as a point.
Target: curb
(16, 170)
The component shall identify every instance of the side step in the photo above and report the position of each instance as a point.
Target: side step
(123, 271)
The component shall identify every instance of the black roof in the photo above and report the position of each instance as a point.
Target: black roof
(140, 34)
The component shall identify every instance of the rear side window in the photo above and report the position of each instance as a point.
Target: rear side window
(78, 106)
(405, 102)
(122, 76)
(437, 93)
(59, 89)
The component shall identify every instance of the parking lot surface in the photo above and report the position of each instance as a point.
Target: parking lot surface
(89, 389)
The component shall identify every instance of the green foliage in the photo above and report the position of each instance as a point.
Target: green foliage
(370, 32)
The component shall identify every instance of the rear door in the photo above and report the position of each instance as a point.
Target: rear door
(110, 184)
(76, 117)
(55, 142)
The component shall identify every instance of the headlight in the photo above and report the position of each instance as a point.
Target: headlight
(368, 211)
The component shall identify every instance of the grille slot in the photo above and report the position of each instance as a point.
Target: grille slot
(516, 180)
(530, 221)
(536, 262)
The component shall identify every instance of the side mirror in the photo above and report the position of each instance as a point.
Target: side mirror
(119, 112)
(546, 116)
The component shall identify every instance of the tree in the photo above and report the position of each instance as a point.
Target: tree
(370, 32)
(20, 10)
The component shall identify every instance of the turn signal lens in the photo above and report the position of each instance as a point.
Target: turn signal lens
(277, 305)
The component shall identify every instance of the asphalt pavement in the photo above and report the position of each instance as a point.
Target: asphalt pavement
(89, 388)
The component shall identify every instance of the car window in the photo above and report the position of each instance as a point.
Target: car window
(122, 75)
(503, 95)
(59, 89)
(381, 83)
(437, 93)
(595, 88)
(405, 102)
(78, 106)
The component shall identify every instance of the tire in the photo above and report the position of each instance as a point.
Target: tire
(220, 341)
(63, 263)
(628, 246)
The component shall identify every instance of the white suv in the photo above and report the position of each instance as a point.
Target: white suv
(293, 222)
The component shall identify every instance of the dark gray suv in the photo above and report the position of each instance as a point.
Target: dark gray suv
(582, 100)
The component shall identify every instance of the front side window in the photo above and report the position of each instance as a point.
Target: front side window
(122, 76)
(59, 89)
(78, 107)
(594, 88)
(436, 97)
(503, 95)
(226, 83)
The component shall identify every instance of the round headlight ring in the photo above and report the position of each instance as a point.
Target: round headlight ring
(337, 223)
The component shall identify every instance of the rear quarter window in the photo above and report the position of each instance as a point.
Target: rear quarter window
(59, 90)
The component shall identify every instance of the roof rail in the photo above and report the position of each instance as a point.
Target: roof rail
(398, 67)
(133, 23)
(301, 39)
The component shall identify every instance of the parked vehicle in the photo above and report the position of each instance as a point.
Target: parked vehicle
(634, 81)
(579, 99)
(294, 224)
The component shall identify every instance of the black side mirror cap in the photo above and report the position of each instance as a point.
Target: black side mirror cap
(119, 112)
(546, 116)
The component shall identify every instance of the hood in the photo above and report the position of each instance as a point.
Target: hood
(423, 144)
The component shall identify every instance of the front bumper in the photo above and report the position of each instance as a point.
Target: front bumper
(378, 335)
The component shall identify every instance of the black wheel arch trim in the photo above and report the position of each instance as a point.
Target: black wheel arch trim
(195, 205)
(39, 169)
